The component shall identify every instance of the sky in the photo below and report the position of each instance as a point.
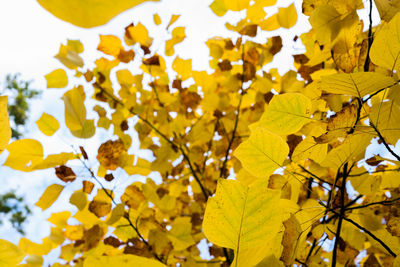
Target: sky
(31, 37)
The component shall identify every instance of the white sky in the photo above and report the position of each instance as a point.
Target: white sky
(30, 37)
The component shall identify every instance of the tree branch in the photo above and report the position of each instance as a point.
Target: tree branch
(126, 216)
(173, 145)
(370, 38)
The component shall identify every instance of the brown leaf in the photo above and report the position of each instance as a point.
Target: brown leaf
(87, 187)
(92, 237)
(152, 61)
(126, 56)
(109, 154)
(132, 196)
(99, 208)
(112, 241)
(84, 154)
(373, 161)
(66, 174)
(249, 30)
(276, 45)
(249, 71)
(290, 239)
(109, 177)
(225, 65)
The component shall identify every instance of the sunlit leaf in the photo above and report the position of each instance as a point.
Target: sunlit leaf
(49, 196)
(262, 153)
(286, 113)
(120, 260)
(10, 254)
(88, 13)
(57, 79)
(241, 217)
(385, 49)
(47, 124)
(5, 130)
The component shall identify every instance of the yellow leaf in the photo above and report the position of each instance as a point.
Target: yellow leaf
(60, 218)
(357, 84)
(54, 160)
(79, 199)
(110, 45)
(218, 7)
(173, 19)
(156, 19)
(262, 153)
(178, 35)
(75, 114)
(241, 217)
(386, 117)
(69, 54)
(352, 150)
(327, 23)
(385, 49)
(24, 154)
(57, 79)
(88, 13)
(270, 24)
(236, 5)
(10, 254)
(286, 113)
(137, 34)
(33, 248)
(49, 196)
(287, 16)
(183, 67)
(120, 261)
(5, 130)
(27, 155)
(180, 234)
(47, 124)
(387, 8)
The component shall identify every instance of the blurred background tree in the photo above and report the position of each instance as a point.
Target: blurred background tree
(13, 207)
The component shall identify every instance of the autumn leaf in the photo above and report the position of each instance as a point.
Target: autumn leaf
(10, 254)
(5, 130)
(88, 13)
(241, 217)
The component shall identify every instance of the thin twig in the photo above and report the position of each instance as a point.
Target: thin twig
(383, 202)
(125, 216)
(370, 38)
(173, 145)
(364, 230)
(341, 214)
(384, 141)
(223, 168)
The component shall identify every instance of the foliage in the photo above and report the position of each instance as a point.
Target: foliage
(20, 92)
(13, 208)
(251, 160)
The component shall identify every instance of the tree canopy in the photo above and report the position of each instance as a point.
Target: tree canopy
(255, 167)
